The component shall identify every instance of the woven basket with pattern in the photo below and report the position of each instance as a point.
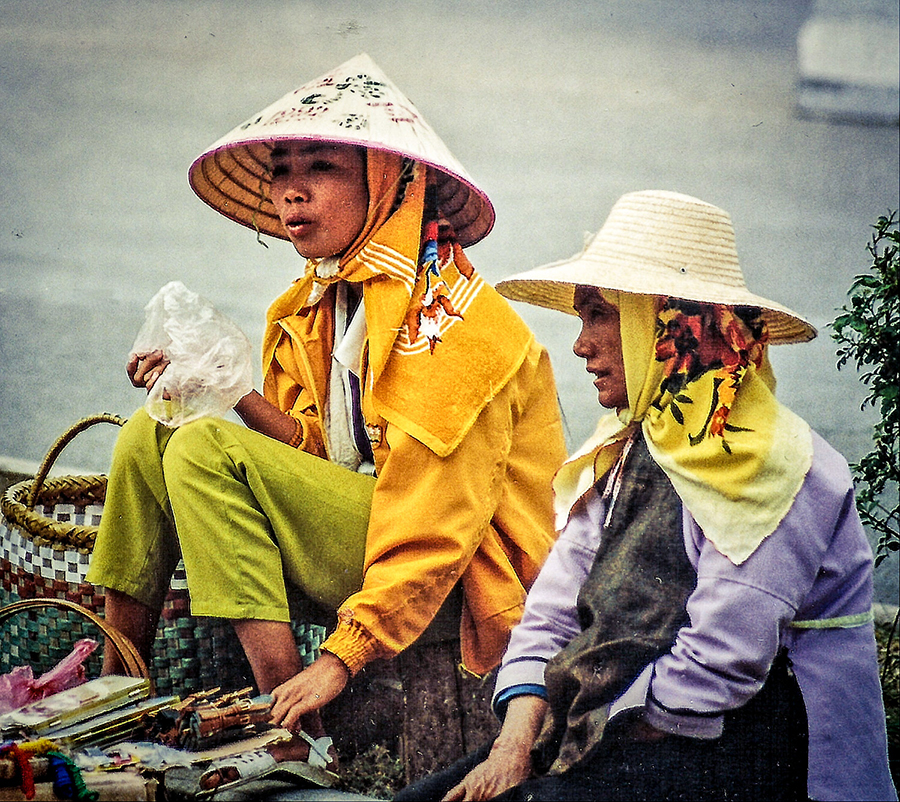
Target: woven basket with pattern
(47, 532)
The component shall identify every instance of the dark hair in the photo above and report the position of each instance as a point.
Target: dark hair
(407, 173)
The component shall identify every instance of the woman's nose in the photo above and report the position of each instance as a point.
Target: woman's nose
(580, 345)
(294, 190)
(295, 194)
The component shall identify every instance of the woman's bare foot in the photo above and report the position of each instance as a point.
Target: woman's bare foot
(214, 779)
(228, 770)
(299, 748)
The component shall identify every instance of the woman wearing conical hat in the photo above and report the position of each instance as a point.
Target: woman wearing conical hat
(407, 431)
(703, 627)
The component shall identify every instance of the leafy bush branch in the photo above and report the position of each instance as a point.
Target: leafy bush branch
(868, 334)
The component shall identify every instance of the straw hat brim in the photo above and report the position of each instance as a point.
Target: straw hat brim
(657, 242)
(233, 180)
(553, 286)
(232, 174)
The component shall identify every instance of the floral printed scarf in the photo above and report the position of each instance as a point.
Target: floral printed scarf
(701, 388)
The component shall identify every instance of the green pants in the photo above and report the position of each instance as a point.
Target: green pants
(246, 512)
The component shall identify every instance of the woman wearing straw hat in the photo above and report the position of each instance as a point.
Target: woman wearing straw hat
(408, 427)
(703, 626)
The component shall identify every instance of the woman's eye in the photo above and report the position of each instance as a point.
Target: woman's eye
(279, 170)
(321, 166)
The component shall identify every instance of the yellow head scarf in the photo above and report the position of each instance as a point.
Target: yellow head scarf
(434, 357)
(701, 388)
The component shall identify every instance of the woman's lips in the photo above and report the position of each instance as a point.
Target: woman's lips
(298, 226)
(600, 376)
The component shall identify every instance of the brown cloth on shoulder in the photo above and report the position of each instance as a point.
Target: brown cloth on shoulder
(631, 606)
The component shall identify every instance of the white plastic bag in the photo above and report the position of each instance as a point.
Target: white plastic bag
(209, 367)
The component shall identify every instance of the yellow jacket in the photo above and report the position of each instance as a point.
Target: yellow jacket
(479, 513)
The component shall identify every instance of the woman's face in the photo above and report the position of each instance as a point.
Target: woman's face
(600, 345)
(321, 195)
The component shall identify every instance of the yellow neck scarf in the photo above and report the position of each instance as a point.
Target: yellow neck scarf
(701, 388)
(433, 357)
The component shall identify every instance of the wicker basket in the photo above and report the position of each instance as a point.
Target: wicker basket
(132, 664)
(47, 532)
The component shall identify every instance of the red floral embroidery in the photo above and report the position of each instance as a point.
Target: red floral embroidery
(693, 339)
(439, 249)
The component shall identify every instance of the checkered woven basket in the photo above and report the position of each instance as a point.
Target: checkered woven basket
(132, 664)
(47, 533)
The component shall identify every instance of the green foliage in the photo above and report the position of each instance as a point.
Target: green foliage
(889, 659)
(375, 773)
(868, 333)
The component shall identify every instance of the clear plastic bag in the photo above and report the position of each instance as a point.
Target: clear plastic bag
(209, 368)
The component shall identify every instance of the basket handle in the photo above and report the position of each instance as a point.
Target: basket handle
(131, 660)
(64, 439)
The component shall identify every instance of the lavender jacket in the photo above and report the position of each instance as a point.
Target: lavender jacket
(816, 565)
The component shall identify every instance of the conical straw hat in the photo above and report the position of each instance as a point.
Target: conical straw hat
(357, 104)
(658, 243)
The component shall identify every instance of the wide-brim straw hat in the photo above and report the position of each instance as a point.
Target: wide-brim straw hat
(356, 104)
(657, 242)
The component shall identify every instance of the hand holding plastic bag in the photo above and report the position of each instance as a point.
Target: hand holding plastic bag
(209, 368)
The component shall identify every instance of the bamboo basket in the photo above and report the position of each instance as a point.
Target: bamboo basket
(132, 664)
(47, 533)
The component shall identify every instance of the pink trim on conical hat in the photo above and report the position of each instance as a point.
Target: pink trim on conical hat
(658, 243)
(356, 104)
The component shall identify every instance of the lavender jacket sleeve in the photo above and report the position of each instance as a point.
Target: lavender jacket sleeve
(550, 619)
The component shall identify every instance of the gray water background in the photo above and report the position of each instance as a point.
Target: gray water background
(555, 108)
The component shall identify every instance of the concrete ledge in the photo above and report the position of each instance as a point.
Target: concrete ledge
(22, 468)
(845, 103)
(848, 62)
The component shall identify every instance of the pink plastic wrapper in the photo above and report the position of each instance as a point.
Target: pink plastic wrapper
(19, 687)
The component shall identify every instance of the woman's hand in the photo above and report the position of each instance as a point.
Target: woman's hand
(145, 369)
(509, 762)
(309, 690)
(504, 768)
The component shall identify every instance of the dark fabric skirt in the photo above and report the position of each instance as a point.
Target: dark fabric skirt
(761, 755)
